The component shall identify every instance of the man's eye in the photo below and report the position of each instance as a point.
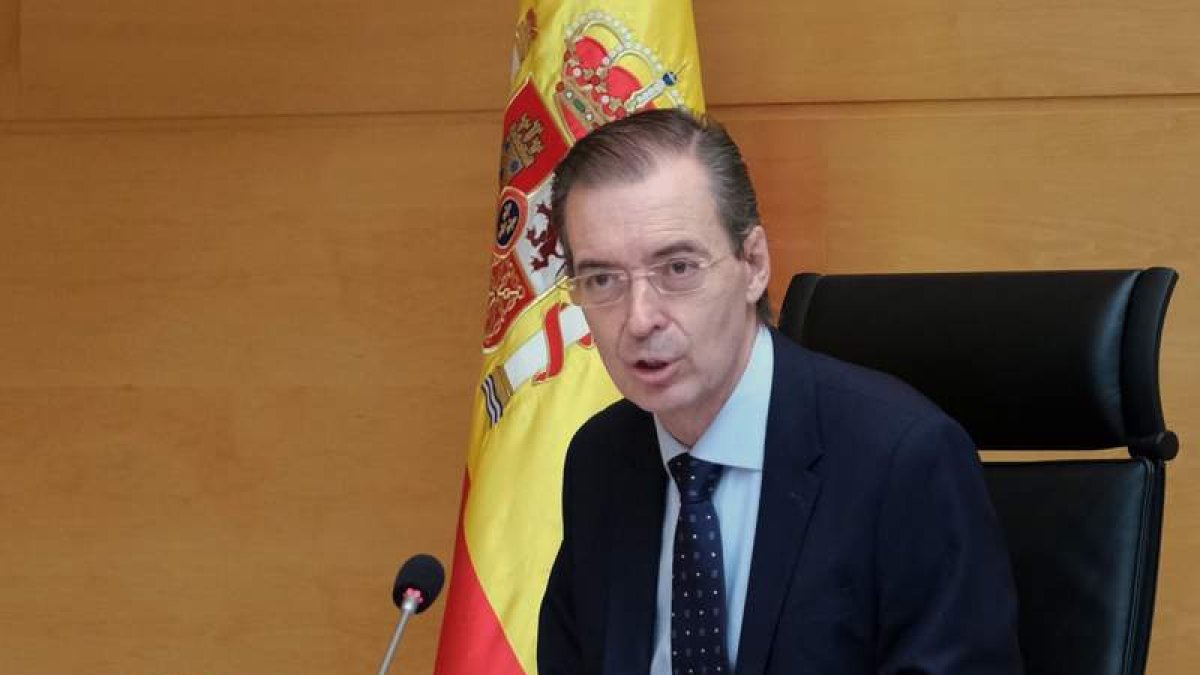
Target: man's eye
(598, 280)
(681, 267)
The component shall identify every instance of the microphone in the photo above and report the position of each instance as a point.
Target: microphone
(417, 585)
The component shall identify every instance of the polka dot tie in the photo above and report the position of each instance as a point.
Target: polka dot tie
(698, 572)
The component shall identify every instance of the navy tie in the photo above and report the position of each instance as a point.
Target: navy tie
(698, 572)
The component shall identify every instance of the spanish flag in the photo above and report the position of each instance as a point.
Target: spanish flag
(576, 65)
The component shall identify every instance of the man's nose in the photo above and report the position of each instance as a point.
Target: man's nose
(645, 307)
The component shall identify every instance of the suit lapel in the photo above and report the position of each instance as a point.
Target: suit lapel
(639, 501)
(789, 493)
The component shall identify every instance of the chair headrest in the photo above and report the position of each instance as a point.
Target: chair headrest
(1024, 360)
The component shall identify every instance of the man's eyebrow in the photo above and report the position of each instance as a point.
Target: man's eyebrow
(671, 249)
(678, 247)
(588, 265)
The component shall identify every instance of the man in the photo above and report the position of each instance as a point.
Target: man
(750, 506)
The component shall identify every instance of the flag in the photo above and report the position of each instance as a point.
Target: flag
(576, 65)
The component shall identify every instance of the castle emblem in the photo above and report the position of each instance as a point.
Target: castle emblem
(532, 144)
(522, 144)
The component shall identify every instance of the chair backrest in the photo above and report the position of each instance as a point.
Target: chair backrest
(1035, 361)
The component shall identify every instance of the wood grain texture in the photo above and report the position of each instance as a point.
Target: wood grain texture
(232, 253)
(186, 57)
(781, 51)
(238, 360)
(130, 58)
(10, 57)
(1007, 185)
(218, 530)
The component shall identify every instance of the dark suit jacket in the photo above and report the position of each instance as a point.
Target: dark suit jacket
(877, 550)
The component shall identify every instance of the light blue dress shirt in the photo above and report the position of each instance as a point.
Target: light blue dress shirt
(735, 439)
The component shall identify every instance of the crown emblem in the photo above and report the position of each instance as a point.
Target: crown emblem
(608, 74)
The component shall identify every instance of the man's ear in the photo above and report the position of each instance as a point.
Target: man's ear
(758, 263)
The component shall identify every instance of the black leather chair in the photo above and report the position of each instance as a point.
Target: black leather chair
(1040, 361)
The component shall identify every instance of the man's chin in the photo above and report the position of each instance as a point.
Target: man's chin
(656, 400)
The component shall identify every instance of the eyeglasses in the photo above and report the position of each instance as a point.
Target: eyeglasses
(677, 276)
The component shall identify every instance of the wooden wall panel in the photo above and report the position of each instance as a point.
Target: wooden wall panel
(782, 51)
(188, 58)
(235, 385)
(10, 52)
(1019, 185)
(219, 530)
(129, 58)
(255, 252)
(910, 186)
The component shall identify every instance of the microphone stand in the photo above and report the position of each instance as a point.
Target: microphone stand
(412, 600)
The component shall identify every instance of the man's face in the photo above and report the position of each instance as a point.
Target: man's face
(678, 356)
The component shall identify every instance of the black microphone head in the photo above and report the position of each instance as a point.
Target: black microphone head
(422, 573)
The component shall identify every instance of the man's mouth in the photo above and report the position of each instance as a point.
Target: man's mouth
(651, 365)
(654, 371)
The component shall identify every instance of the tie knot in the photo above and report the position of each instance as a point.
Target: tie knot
(695, 478)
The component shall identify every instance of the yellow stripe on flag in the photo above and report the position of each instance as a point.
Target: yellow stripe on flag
(576, 65)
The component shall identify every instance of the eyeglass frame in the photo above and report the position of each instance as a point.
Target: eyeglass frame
(653, 274)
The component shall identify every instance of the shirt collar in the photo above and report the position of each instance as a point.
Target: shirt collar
(738, 433)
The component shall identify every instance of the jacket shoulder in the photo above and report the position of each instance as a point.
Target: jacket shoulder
(609, 435)
(833, 377)
(857, 404)
(620, 416)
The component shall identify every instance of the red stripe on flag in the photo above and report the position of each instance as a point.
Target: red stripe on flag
(554, 343)
(472, 639)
